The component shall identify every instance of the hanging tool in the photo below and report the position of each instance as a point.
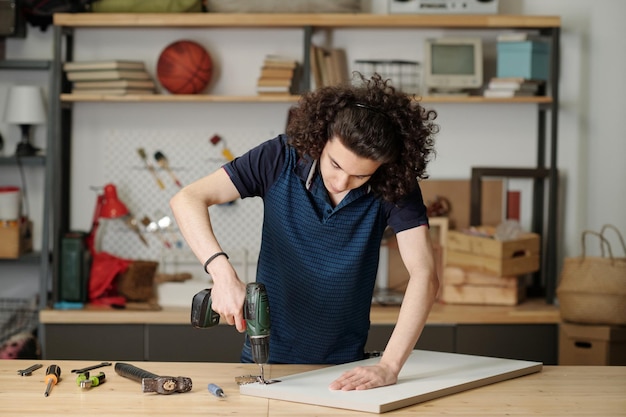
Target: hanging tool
(165, 165)
(53, 375)
(144, 156)
(226, 153)
(90, 368)
(29, 371)
(256, 312)
(165, 223)
(83, 380)
(153, 383)
(153, 227)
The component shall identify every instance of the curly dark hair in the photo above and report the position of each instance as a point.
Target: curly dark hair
(373, 120)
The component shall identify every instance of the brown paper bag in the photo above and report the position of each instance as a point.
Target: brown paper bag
(592, 290)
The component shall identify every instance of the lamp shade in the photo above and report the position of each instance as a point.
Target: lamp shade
(25, 106)
(112, 207)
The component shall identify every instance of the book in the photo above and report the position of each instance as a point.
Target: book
(339, 63)
(103, 65)
(502, 93)
(328, 66)
(114, 91)
(108, 75)
(277, 72)
(513, 82)
(115, 84)
(532, 87)
(513, 86)
(274, 93)
(519, 37)
(277, 61)
(283, 82)
(315, 67)
(273, 89)
(75, 267)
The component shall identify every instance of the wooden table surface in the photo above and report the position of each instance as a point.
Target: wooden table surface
(529, 312)
(555, 391)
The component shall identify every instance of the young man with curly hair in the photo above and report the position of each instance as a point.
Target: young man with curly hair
(348, 167)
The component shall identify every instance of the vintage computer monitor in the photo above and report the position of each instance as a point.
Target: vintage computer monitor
(453, 65)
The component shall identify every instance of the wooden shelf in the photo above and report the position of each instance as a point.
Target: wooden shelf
(190, 98)
(176, 98)
(362, 20)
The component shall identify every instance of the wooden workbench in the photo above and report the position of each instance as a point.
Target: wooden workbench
(555, 391)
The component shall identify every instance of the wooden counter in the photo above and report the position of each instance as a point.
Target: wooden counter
(555, 391)
(530, 312)
(528, 332)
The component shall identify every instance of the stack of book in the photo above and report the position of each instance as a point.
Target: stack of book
(519, 37)
(279, 75)
(503, 87)
(110, 77)
(328, 66)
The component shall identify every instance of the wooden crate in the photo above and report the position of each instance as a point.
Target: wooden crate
(16, 238)
(502, 258)
(462, 286)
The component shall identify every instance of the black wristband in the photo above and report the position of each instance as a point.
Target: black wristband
(215, 255)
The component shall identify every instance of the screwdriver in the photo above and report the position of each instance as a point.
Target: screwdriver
(216, 390)
(53, 374)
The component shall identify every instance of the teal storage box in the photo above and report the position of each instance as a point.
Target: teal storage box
(526, 59)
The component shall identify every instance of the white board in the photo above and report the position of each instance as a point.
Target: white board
(425, 376)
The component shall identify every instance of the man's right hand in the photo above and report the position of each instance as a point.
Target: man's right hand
(228, 294)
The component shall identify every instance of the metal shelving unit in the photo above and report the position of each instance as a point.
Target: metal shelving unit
(547, 106)
(42, 257)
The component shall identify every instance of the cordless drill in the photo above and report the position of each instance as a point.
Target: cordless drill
(256, 312)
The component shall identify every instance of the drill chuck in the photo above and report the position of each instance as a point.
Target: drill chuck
(260, 346)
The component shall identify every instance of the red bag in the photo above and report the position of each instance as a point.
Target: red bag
(102, 284)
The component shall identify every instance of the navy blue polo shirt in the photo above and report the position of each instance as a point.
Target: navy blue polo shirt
(318, 262)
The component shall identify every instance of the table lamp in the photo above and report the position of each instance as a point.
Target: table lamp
(109, 206)
(25, 107)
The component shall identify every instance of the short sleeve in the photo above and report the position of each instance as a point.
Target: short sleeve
(255, 171)
(410, 212)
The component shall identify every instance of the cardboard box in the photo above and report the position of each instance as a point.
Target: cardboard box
(462, 286)
(582, 344)
(458, 193)
(503, 258)
(526, 59)
(16, 238)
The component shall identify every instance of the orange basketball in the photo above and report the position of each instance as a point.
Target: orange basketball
(184, 67)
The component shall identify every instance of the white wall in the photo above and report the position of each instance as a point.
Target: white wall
(592, 126)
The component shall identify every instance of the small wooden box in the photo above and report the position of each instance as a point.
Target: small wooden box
(16, 238)
(583, 344)
(502, 258)
(461, 286)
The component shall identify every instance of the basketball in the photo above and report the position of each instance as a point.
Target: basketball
(184, 67)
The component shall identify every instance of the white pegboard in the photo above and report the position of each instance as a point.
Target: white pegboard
(191, 156)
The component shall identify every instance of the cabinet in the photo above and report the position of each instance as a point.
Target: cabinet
(528, 332)
(547, 106)
(41, 257)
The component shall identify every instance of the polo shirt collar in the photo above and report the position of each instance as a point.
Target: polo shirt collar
(306, 170)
